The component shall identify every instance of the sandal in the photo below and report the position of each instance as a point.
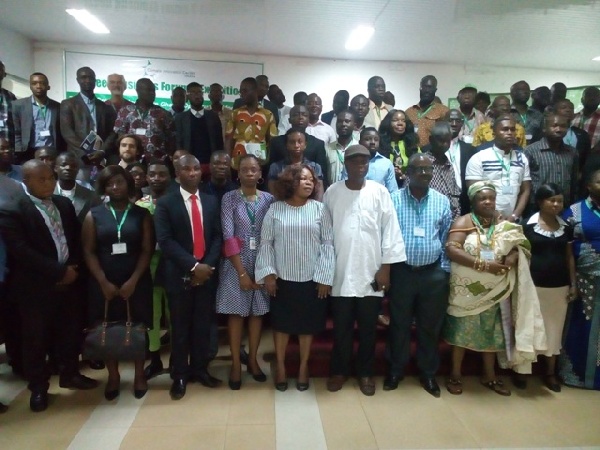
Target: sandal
(454, 386)
(497, 386)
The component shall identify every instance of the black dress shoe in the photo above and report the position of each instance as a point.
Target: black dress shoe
(391, 382)
(177, 390)
(431, 386)
(235, 385)
(206, 379)
(97, 365)
(244, 356)
(111, 395)
(153, 369)
(260, 376)
(38, 401)
(139, 393)
(78, 381)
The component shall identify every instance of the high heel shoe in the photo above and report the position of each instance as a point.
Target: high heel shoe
(112, 394)
(235, 385)
(260, 376)
(281, 387)
(139, 393)
(302, 386)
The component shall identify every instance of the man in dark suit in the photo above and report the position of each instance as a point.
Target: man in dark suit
(262, 90)
(37, 121)
(459, 154)
(340, 103)
(315, 148)
(42, 235)
(7, 127)
(83, 199)
(82, 114)
(188, 230)
(198, 130)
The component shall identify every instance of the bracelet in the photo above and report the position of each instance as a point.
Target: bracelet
(475, 263)
(454, 244)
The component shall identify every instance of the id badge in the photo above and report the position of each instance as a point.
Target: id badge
(419, 232)
(487, 255)
(416, 128)
(468, 139)
(528, 137)
(45, 133)
(252, 243)
(1, 123)
(507, 190)
(258, 150)
(140, 132)
(120, 248)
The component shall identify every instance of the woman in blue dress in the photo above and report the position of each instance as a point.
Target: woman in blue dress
(238, 296)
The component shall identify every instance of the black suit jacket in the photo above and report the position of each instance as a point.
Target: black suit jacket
(328, 117)
(23, 119)
(83, 200)
(174, 235)
(315, 151)
(184, 135)
(33, 258)
(238, 103)
(76, 122)
(466, 151)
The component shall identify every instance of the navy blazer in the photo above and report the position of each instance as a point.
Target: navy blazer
(328, 117)
(184, 131)
(33, 258)
(174, 236)
(23, 119)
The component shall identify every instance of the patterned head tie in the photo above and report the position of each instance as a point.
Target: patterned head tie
(478, 187)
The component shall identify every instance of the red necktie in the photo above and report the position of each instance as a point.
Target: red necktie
(197, 229)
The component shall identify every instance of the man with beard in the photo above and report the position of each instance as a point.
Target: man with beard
(117, 86)
(425, 113)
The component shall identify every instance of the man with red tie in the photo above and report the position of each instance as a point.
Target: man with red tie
(188, 230)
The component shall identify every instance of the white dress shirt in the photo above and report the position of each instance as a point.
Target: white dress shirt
(322, 131)
(188, 205)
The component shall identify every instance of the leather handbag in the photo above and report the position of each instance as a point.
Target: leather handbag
(120, 340)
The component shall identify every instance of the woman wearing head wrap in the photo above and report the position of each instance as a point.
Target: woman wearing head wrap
(489, 278)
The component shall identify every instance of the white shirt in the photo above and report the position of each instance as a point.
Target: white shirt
(486, 165)
(376, 115)
(197, 114)
(453, 155)
(188, 205)
(335, 156)
(284, 120)
(366, 235)
(322, 131)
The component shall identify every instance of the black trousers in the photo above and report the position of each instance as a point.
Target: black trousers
(191, 318)
(53, 323)
(346, 311)
(422, 294)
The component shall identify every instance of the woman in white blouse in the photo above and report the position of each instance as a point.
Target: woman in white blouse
(296, 264)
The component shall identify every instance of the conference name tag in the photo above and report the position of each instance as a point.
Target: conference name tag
(120, 248)
(258, 150)
(419, 232)
(468, 139)
(487, 255)
(45, 133)
(1, 123)
(252, 243)
(140, 132)
(529, 137)
(507, 190)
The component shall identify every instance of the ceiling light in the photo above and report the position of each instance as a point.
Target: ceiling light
(359, 37)
(88, 20)
(597, 58)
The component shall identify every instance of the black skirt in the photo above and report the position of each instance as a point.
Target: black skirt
(297, 309)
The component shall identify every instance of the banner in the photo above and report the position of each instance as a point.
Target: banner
(166, 74)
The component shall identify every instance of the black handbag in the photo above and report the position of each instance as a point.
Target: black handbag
(120, 340)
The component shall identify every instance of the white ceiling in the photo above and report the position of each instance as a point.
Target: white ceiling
(559, 34)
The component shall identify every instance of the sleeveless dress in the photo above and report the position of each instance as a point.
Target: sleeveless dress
(118, 268)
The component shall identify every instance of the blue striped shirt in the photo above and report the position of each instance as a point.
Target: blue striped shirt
(425, 225)
(381, 170)
(296, 244)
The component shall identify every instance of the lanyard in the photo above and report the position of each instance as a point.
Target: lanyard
(488, 235)
(251, 214)
(120, 224)
(143, 115)
(524, 118)
(422, 113)
(468, 124)
(43, 109)
(340, 157)
(452, 154)
(504, 166)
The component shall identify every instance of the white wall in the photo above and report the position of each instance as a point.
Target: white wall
(327, 76)
(16, 52)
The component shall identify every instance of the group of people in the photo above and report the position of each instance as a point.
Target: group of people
(455, 215)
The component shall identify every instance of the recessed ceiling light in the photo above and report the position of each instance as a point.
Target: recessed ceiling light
(88, 20)
(359, 37)
(597, 58)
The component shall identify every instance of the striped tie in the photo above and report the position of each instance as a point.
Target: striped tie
(57, 229)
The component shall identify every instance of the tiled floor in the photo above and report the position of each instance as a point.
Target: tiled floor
(259, 418)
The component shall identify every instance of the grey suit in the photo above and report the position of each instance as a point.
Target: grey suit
(23, 120)
(76, 122)
(83, 200)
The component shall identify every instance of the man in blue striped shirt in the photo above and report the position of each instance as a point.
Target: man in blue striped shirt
(419, 286)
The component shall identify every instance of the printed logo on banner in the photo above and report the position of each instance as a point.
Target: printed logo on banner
(166, 74)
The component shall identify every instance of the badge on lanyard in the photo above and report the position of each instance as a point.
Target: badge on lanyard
(140, 132)
(468, 139)
(252, 243)
(487, 255)
(419, 232)
(45, 133)
(119, 248)
(507, 190)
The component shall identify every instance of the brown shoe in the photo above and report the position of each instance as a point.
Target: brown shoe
(367, 385)
(335, 382)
